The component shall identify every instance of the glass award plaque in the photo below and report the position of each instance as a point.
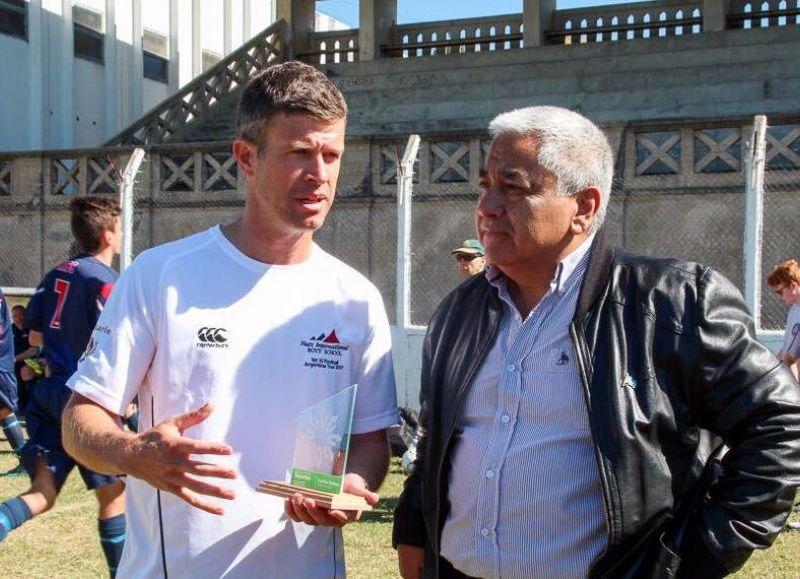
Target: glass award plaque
(320, 455)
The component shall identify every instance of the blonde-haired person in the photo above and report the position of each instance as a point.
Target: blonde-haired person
(784, 280)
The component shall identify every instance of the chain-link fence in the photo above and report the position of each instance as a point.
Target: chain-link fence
(679, 193)
(780, 239)
(698, 223)
(35, 190)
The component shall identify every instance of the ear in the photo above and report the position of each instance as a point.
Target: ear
(588, 204)
(108, 237)
(245, 152)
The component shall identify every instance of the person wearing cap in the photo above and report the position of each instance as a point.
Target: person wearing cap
(469, 258)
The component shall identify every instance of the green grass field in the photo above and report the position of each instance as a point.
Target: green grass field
(63, 543)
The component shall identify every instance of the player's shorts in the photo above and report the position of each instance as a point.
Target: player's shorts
(46, 403)
(8, 390)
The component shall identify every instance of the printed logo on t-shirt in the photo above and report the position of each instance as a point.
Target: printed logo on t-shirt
(795, 329)
(212, 337)
(324, 351)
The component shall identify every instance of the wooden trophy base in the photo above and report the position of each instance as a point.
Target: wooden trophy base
(340, 502)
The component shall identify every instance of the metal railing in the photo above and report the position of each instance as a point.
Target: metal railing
(332, 47)
(626, 22)
(769, 13)
(457, 37)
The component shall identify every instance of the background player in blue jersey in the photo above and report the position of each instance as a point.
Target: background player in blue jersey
(24, 355)
(61, 316)
(8, 381)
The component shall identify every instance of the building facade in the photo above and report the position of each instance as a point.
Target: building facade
(76, 72)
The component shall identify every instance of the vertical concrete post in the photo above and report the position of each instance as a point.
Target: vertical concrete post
(754, 153)
(247, 17)
(299, 16)
(109, 72)
(227, 27)
(537, 18)
(377, 20)
(38, 77)
(137, 67)
(197, 47)
(715, 14)
(66, 87)
(174, 68)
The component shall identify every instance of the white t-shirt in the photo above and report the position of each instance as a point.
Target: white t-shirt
(791, 338)
(196, 320)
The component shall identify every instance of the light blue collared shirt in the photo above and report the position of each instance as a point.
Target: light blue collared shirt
(524, 489)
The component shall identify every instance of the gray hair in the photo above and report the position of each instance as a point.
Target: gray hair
(571, 147)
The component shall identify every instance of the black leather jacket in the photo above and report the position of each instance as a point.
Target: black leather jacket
(683, 333)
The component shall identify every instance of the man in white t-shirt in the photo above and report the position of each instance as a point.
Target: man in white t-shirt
(225, 337)
(784, 280)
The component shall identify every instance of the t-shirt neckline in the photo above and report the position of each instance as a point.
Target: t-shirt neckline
(254, 264)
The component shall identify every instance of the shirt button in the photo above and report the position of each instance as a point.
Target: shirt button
(511, 367)
(489, 474)
(485, 532)
(505, 418)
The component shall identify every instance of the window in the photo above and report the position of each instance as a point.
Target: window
(88, 34)
(155, 68)
(155, 63)
(14, 18)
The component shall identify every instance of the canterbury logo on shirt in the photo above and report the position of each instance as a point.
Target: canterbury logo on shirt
(212, 337)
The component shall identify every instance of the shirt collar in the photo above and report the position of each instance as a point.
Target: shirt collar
(562, 275)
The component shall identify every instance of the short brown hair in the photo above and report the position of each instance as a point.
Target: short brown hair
(90, 217)
(289, 87)
(784, 274)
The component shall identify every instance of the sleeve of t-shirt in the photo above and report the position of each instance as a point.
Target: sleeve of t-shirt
(35, 310)
(791, 339)
(122, 345)
(376, 399)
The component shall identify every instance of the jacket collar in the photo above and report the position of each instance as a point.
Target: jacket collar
(596, 276)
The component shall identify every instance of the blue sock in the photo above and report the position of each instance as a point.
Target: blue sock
(13, 513)
(13, 431)
(112, 539)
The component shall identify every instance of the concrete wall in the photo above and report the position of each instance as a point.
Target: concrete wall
(743, 72)
(89, 108)
(153, 92)
(14, 96)
(731, 73)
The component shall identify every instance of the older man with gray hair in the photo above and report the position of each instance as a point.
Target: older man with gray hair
(575, 398)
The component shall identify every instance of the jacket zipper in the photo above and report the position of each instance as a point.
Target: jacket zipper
(579, 351)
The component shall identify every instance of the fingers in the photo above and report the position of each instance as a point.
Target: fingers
(210, 470)
(195, 500)
(185, 445)
(356, 485)
(193, 418)
(201, 487)
(304, 510)
(371, 498)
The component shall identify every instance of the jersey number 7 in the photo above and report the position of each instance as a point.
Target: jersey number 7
(61, 288)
